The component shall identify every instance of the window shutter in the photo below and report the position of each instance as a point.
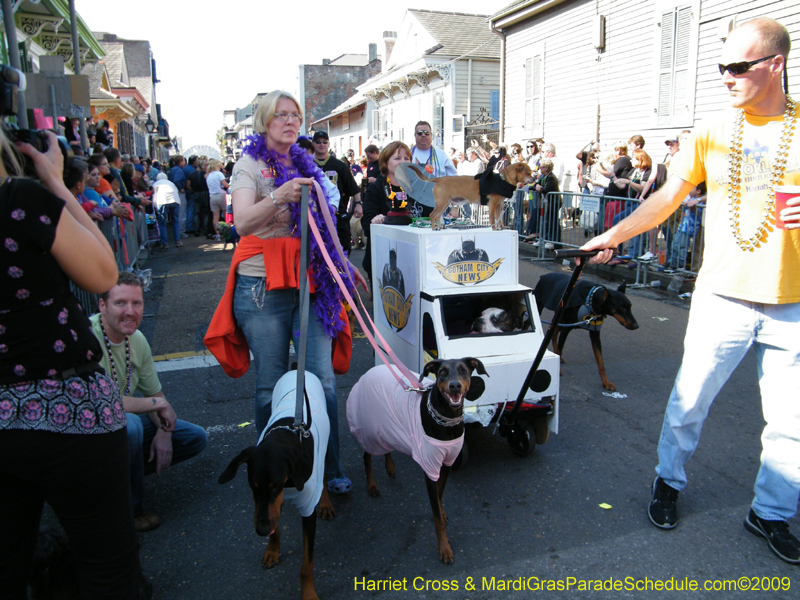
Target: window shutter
(528, 93)
(536, 96)
(665, 68)
(680, 108)
(674, 68)
(376, 122)
(534, 91)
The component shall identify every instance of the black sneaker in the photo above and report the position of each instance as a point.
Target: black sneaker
(663, 511)
(781, 542)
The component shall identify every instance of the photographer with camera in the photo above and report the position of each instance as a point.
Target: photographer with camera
(62, 423)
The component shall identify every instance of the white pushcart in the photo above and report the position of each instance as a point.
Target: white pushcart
(429, 287)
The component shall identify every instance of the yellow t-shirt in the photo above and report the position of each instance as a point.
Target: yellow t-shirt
(771, 273)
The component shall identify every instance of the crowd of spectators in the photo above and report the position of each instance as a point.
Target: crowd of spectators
(622, 173)
(109, 185)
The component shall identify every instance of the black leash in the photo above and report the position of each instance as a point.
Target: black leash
(305, 308)
(548, 336)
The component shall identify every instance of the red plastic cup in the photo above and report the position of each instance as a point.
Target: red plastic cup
(782, 194)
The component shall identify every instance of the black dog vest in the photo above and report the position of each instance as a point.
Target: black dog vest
(490, 182)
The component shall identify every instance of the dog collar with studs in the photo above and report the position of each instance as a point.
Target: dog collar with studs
(300, 431)
(439, 418)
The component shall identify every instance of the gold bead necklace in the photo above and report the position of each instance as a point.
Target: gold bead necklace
(775, 178)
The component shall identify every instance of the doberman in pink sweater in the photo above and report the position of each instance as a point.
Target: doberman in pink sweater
(427, 426)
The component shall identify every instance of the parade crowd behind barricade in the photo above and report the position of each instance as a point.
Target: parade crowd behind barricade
(166, 202)
(572, 199)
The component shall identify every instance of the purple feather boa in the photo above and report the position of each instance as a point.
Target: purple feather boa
(328, 297)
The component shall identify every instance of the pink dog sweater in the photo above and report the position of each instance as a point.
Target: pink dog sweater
(385, 418)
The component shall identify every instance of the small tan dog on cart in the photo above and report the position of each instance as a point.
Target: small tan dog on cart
(485, 188)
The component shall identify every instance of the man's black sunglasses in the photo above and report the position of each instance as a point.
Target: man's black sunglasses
(740, 68)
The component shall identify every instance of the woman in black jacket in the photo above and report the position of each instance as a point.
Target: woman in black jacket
(377, 204)
(551, 228)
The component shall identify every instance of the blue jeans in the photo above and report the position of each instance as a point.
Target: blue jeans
(173, 212)
(634, 245)
(184, 206)
(679, 250)
(188, 440)
(190, 212)
(269, 319)
(533, 214)
(719, 333)
(550, 225)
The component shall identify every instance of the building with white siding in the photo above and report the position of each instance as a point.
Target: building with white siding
(440, 67)
(348, 126)
(581, 70)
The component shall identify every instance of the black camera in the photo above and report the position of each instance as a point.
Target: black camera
(34, 137)
(11, 80)
(38, 139)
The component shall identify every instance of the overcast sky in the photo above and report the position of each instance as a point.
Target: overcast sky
(210, 60)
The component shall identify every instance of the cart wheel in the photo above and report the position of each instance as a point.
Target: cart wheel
(541, 433)
(462, 457)
(520, 440)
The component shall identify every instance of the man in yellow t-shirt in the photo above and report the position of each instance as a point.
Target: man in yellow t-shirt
(748, 289)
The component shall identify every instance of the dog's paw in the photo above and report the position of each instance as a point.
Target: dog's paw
(326, 513)
(325, 507)
(609, 386)
(446, 554)
(373, 491)
(270, 558)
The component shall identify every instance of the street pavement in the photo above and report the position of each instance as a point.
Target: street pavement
(512, 521)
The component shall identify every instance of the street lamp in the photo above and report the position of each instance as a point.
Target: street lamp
(149, 125)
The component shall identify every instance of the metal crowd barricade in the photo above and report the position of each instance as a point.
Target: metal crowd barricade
(591, 215)
(569, 219)
(563, 219)
(87, 300)
(512, 216)
(128, 240)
